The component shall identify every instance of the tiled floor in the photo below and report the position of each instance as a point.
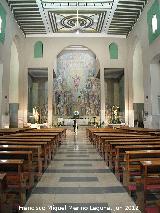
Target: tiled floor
(78, 180)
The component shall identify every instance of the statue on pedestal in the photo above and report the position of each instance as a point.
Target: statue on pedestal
(36, 114)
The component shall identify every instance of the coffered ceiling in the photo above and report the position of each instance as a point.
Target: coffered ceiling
(51, 17)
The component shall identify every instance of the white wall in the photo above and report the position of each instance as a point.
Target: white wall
(138, 88)
(1, 76)
(53, 46)
(140, 34)
(12, 33)
(155, 87)
(14, 75)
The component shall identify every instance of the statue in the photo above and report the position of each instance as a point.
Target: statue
(35, 114)
(115, 115)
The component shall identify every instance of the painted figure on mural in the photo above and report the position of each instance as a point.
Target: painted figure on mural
(76, 81)
(76, 84)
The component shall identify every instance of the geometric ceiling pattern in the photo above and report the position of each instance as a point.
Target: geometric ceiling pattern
(115, 17)
(125, 16)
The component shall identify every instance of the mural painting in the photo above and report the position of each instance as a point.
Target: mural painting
(76, 86)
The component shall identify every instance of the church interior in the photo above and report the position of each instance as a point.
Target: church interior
(80, 106)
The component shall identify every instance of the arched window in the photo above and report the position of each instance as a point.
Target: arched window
(38, 49)
(113, 51)
(153, 21)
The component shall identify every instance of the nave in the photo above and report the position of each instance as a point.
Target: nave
(78, 180)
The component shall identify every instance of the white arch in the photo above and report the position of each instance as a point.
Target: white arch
(97, 60)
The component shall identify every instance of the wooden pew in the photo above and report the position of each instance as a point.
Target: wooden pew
(40, 144)
(61, 131)
(132, 165)
(54, 136)
(139, 130)
(110, 145)
(150, 183)
(44, 147)
(123, 130)
(115, 143)
(6, 201)
(9, 131)
(91, 132)
(52, 142)
(2, 190)
(101, 138)
(97, 136)
(15, 179)
(104, 140)
(120, 152)
(142, 131)
(36, 152)
(27, 163)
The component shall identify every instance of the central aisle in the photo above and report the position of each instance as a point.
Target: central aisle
(79, 180)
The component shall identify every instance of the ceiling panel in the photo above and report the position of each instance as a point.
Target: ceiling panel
(55, 16)
(125, 16)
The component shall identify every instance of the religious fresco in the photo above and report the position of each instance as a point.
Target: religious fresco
(76, 88)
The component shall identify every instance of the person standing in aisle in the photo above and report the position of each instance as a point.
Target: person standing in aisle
(74, 124)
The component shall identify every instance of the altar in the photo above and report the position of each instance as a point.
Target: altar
(80, 122)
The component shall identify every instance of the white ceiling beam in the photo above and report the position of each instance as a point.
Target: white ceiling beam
(45, 17)
(97, 35)
(79, 1)
(109, 17)
(74, 6)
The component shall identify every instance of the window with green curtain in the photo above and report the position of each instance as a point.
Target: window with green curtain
(2, 23)
(38, 49)
(153, 21)
(113, 51)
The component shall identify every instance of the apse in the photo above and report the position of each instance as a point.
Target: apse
(76, 86)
